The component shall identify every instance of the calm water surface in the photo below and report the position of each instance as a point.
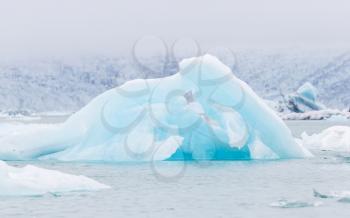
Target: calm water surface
(251, 189)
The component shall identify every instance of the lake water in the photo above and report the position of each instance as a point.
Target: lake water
(282, 188)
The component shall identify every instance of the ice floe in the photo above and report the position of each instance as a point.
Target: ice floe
(33, 181)
(335, 138)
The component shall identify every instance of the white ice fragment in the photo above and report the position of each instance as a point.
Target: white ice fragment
(31, 180)
(336, 138)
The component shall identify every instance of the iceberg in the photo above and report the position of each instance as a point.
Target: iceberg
(335, 138)
(203, 112)
(304, 105)
(304, 99)
(34, 181)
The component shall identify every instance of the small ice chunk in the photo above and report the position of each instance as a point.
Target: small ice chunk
(332, 194)
(336, 138)
(283, 203)
(33, 181)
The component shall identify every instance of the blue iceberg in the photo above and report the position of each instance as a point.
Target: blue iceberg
(203, 112)
(304, 99)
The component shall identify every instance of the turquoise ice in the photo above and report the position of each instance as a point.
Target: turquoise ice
(305, 99)
(203, 112)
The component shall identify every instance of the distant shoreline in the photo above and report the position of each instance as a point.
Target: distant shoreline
(296, 126)
(43, 119)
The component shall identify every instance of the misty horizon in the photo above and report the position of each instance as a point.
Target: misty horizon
(41, 28)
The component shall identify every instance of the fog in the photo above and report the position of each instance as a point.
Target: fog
(78, 27)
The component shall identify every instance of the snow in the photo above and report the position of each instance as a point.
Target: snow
(336, 138)
(34, 181)
(203, 112)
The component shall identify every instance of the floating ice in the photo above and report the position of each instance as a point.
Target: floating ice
(201, 113)
(304, 99)
(31, 180)
(327, 114)
(341, 196)
(283, 203)
(336, 138)
(304, 105)
(332, 194)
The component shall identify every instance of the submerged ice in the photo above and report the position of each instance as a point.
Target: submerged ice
(201, 113)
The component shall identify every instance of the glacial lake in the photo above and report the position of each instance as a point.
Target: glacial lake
(282, 188)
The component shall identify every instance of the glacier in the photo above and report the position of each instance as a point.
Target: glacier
(34, 181)
(203, 112)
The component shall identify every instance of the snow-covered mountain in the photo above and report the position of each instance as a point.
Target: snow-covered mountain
(275, 74)
(63, 85)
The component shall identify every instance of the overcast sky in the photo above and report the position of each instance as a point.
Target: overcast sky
(103, 26)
